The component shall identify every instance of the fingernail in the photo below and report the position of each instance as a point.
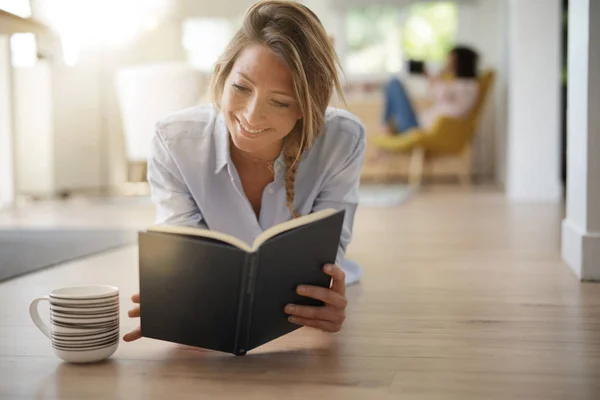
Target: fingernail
(328, 268)
(301, 289)
(292, 319)
(289, 308)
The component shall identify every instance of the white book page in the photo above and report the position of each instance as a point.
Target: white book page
(232, 240)
(186, 230)
(291, 224)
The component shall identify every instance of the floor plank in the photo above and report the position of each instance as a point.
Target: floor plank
(464, 297)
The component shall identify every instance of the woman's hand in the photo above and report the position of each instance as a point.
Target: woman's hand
(134, 313)
(329, 317)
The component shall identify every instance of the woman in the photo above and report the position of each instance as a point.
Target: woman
(453, 94)
(268, 149)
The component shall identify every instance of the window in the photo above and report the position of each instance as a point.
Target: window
(430, 31)
(382, 37)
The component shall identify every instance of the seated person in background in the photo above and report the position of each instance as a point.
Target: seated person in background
(452, 93)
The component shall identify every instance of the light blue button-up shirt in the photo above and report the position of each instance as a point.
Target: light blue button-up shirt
(194, 182)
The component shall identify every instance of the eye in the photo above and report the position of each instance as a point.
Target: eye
(280, 104)
(240, 88)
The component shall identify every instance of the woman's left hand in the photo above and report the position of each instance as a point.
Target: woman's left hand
(329, 317)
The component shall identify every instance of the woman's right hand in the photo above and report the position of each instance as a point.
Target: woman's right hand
(134, 313)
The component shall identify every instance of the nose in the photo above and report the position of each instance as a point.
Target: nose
(254, 112)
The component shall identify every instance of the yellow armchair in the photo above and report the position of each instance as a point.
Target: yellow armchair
(448, 137)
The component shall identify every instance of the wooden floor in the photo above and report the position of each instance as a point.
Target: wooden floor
(464, 297)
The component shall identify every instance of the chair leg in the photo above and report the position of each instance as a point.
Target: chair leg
(415, 171)
(464, 176)
(136, 172)
(465, 180)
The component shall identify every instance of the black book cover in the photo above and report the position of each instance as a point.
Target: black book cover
(204, 292)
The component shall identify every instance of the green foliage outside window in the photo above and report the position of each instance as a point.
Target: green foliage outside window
(379, 37)
(429, 31)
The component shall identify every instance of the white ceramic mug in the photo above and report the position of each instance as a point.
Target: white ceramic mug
(84, 322)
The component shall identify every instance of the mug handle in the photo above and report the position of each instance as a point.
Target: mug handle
(35, 316)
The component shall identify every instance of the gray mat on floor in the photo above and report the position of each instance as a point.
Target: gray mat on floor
(26, 250)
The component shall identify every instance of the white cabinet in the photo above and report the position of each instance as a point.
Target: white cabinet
(58, 129)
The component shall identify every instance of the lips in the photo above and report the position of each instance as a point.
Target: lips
(248, 129)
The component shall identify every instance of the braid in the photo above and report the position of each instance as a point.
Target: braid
(291, 165)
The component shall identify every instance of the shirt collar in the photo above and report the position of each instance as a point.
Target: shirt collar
(221, 143)
(223, 156)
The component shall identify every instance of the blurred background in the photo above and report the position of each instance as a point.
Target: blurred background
(83, 82)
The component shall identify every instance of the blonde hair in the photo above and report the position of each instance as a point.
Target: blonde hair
(295, 34)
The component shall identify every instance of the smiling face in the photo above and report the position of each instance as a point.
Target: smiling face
(268, 93)
(258, 102)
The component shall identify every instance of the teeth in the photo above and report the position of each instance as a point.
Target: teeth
(250, 130)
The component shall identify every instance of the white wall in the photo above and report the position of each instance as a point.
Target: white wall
(6, 142)
(331, 16)
(581, 227)
(533, 146)
(483, 25)
(501, 97)
(215, 9)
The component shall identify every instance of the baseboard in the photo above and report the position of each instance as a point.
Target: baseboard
(547, 195)
(581, 251)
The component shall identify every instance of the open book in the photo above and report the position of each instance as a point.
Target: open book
(232, 240)
(212, 290)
